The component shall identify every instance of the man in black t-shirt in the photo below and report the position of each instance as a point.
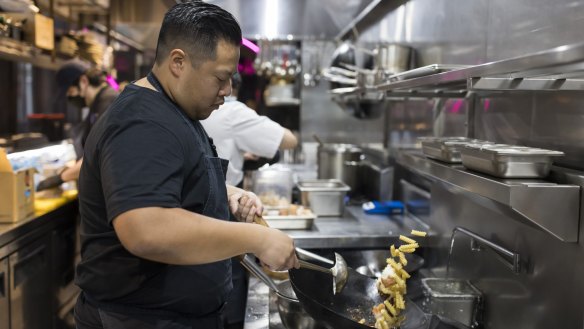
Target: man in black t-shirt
(155, 230)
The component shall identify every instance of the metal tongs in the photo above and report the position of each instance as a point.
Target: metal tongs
(338, 270)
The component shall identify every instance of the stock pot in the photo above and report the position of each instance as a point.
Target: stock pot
(340, 161)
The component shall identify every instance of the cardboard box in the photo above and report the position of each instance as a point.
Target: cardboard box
(16, 191)
(39, 30)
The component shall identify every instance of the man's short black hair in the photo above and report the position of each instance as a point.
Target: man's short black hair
(196, 27)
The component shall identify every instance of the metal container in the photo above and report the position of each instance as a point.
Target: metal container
(324, 196)
(508, 161)
(447, 149)
(337, 161)
(392, 58)
(425, 70)
(454, 299)
(290, 222)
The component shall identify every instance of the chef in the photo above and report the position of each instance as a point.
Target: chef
(155, 230)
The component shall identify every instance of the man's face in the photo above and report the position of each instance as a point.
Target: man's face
(76, 92)
(201, 90)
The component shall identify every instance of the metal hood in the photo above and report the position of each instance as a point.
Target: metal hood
(259, 19)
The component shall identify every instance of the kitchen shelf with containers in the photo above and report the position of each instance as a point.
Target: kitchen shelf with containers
(560, 68)
(514, 176)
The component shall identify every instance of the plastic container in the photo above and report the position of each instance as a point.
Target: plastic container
(273, 186)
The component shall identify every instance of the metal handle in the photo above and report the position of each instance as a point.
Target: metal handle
(509, 258)
(253, 268)
(303, 264)
(308, 254)
(311, 266)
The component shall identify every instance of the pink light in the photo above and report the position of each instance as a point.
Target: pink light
(252, 46)
(112, 82)
(456, 106)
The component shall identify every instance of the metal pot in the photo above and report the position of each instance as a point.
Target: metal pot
(292, 314)
(392, 58)
(339, 161)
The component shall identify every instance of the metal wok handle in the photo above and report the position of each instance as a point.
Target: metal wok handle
(248, 262)
(261, 221)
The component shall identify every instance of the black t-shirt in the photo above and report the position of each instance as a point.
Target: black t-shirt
(141, 153)
(103, 99)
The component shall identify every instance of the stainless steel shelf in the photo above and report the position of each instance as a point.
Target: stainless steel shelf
(555, 208)
(554, 69)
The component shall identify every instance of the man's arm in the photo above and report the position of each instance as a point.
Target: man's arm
(72, 173)
(289, 140)
(177, 236)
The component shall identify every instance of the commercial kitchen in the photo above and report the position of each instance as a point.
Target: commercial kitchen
(440, 138)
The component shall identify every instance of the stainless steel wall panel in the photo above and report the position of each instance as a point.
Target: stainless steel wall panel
(524, 26)
(524, 301)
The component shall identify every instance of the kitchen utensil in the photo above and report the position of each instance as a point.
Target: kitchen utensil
(447, 149)
(338, 271)
(508, 161)
(332, 158)
(454, 299)
(317, 139)
(424, 71)
(291, 312)
(353, 303)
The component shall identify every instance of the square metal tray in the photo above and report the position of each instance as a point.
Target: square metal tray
(508, 161)
(291, 222)
(447, 149)
(455, 299)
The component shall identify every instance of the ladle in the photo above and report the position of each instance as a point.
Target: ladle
(338, 270)
(317, 139)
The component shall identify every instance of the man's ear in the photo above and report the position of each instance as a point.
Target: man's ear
(177, 61)
(83, 80)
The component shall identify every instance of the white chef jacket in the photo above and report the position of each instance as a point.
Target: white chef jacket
(236, 129)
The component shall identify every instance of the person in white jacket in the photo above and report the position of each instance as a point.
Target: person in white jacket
(236, 129)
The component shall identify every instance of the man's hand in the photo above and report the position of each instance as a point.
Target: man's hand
(53, 181)
(277, 251)
(244, 205)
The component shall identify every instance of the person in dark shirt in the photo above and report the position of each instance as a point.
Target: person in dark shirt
(155, 231)
(84, 87)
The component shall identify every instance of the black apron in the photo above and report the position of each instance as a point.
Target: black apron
(91, 314)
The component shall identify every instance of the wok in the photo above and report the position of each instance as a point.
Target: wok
(353, 303)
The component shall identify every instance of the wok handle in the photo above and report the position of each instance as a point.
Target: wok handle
(248, 262)
(303, 264)
(310, 266)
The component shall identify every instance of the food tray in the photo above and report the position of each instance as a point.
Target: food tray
(508, 161)
(291, 222)
(447, 149)
(424, 71)
(325, 197)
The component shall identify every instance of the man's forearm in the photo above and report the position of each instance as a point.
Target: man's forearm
(177, 236)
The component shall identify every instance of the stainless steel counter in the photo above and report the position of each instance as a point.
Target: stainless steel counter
(354, 230)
